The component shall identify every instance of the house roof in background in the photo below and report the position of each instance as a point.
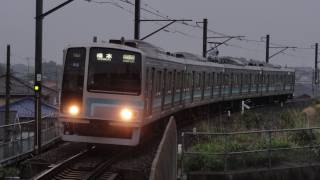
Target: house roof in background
(25, 108)
(13, 115)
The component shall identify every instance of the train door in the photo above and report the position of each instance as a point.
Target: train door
(225, 83)
(241, 82)
(151, 88)
(168, 89)
(192, 85)
(230, 84)
(285, 76)
(156, 100)
(163, 90)
(249, 82)
(221, 83)
(146, 93)
(147, 97)
(174, 86)
(212, 84)
(292, 81)
(203, 84)
(257, 82)
(267, 82)
(181, 86)
(261, 83)
(185, 86)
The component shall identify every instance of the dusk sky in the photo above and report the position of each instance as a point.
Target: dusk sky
(289, 23)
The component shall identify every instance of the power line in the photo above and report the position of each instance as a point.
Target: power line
(146, 10)
(156, 12)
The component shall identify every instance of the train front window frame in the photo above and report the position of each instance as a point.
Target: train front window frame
(73, 77)
(114, 72)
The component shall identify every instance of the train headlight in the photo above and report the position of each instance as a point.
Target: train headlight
(74, 110)
(126, 114)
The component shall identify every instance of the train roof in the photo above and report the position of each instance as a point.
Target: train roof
(156, 52)
(107, 45)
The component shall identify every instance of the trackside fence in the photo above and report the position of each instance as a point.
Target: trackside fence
(19, 139)
(225, 152)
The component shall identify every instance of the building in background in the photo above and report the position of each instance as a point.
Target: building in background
(21, 89)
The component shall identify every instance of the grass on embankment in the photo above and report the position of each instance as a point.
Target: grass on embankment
(287, 118)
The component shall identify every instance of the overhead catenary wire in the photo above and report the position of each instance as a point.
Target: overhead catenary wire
(156, 12)
(146, 10)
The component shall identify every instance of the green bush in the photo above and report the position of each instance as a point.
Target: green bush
(292, 119)
(251, 120)
(239, 143)
(203, 162)
(8, 172)
(208, 148)
(303, 138)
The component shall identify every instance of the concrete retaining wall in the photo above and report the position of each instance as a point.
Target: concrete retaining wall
(164, 165)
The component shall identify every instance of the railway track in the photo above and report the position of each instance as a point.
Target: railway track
(90, 164)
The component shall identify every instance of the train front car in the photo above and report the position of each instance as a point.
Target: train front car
(101, 97)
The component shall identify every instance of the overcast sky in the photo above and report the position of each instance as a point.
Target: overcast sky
(289, 22)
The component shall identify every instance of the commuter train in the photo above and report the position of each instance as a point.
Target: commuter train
(111, 90)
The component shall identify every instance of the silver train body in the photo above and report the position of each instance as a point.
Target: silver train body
(110, 91)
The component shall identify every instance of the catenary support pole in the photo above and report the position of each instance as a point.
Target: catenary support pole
(137, 20)
(205, 35)
(267, 48)
(316, 64)
(316, 74)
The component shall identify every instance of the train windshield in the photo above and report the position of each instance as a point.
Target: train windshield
(114, 71)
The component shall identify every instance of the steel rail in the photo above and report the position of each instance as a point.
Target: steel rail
(50, 173)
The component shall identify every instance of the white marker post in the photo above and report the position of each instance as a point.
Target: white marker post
(243, 106)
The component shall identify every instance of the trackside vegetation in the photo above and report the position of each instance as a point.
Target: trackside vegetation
(253, 150)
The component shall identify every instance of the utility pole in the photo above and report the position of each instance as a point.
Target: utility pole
(267, 48)
(7, 111)
(316, 79)
(205, 35)
(38, 68)
(137, 20)
(38, 75)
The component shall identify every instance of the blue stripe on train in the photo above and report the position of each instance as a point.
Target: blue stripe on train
(91, 101)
